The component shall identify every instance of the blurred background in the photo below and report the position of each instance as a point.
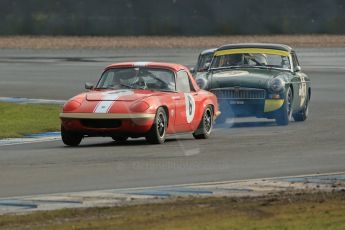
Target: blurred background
(171, 17)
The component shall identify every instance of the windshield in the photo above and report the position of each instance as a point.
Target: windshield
(260, 60)
(138, 78)
(203, 59)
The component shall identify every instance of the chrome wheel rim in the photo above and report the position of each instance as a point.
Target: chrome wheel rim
(289, 102)
(208, 121)
(161, 125)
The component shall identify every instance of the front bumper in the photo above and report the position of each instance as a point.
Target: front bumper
(106, 124)
(273, 105)
(249, 107)
(245, 102)
(147, 116)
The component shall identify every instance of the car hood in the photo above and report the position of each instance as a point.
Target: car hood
(249, 78)
(120, 95)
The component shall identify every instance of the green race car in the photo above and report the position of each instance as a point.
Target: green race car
(257, 79)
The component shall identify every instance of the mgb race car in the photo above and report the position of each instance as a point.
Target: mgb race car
(140, 99)
(256, 79)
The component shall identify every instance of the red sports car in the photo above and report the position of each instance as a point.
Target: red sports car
(140, 99)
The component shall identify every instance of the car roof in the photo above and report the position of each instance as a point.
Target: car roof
(256, 45)
(163, 65)
(207, 51)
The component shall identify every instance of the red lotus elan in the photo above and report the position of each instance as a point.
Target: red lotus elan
(140, 99)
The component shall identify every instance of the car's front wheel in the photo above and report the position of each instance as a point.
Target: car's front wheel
(70, 138)
(205, 127)
(157, 133)
(283, 115)
(303, 114)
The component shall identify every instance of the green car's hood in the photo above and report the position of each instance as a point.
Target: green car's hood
(245, 77)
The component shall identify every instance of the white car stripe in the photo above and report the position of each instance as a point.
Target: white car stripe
(140, 64)
(108, 100)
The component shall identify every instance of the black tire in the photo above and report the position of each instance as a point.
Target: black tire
(303, 114)
(157, 133)
(70, 138)
(206, 124)
(284, 114)
(119, 138)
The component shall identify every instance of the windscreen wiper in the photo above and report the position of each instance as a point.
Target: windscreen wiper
(128, 86)
(225, 67)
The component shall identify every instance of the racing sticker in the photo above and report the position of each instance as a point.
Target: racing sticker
(302, 91)
(190, 107)
(108, 99)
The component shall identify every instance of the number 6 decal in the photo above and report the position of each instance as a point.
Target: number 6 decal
(190, 107)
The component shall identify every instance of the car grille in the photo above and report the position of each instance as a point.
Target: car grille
(239, 93)
(106, 123)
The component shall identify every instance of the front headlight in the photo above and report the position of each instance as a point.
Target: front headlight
(71, 105)
(202, 82)
(139, 107)
(276, 85)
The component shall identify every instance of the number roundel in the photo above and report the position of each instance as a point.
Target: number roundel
(190, 107)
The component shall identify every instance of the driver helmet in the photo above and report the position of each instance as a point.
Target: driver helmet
(261, 58)
(234, 59)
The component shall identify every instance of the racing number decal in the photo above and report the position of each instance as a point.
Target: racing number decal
(302, 91)
(190, 107)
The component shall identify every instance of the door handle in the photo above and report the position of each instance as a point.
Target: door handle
(176, 98)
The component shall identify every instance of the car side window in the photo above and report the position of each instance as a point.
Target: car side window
(182, 82)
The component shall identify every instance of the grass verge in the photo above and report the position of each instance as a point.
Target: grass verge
(280, 211)
(103, 42)
(18, 120)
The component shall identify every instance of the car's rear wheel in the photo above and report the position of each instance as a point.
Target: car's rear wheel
(205, 127)
(119, 138)
(303, 114)
(70, 138)
(284, 114)
(157, 133)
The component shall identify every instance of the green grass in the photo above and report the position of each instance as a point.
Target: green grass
(17, 120)
(287, 211)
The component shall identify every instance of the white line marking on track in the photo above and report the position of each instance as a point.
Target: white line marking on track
(31, 139)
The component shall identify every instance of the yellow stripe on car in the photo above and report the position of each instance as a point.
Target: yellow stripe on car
(272, 105)
(252, 51)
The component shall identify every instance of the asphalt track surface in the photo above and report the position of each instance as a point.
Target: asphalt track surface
(243, 149)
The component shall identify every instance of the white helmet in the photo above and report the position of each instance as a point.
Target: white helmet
(261, 58)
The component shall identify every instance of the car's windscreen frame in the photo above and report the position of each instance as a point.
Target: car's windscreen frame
(246, 53)
(172, 81)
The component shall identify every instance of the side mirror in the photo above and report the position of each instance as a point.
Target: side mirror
(192, 70)
(88, 85)
(298, 68)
